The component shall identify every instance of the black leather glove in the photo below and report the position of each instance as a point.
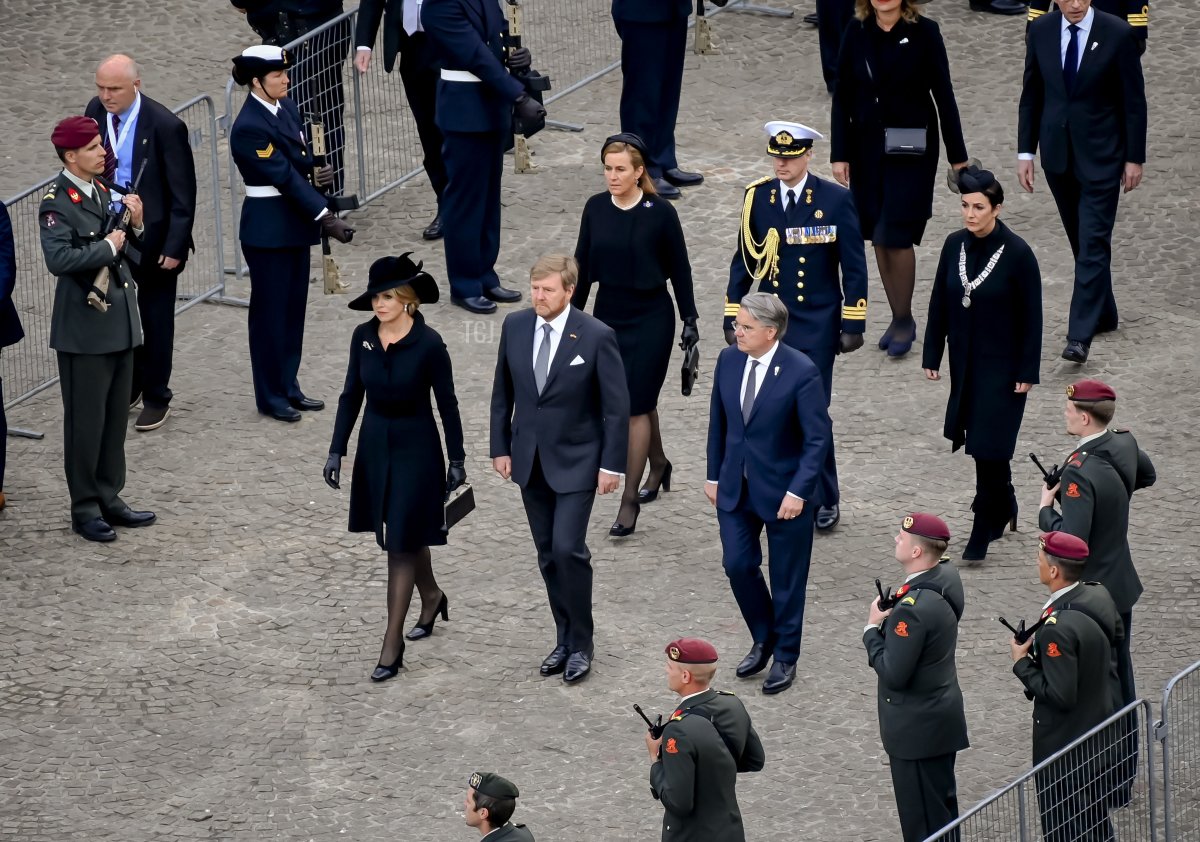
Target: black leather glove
(333, 471)
(848, 342)
(528, 108)
(690, 335)
(456, 475)
(337, 228)
(519, 59)
(730, 336)
(323, 176)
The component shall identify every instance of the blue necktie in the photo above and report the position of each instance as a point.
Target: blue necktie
(1071, 62)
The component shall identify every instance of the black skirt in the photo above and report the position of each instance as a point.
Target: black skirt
(644, 321)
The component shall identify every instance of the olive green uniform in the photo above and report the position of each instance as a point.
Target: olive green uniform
(509, 833)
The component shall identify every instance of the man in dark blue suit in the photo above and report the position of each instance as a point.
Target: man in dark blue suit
(800, 241)
(768, 432)
(1083, 101)
(10, 325)
(559, 430)
(476, 100)
(653, 43)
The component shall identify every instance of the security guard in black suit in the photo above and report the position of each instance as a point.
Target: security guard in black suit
(911, 648)
(477, 98)
(282, 217)
(705, 743)
(94, 341)
(489, 804)
(1066, 670)
(1136, 13)
(805, 234)
(405, 38)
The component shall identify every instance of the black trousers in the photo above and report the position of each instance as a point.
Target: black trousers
(3, 436)
(95, 393)
(278, 300)
(1071, 798)
(1088, 211)
(419, 74)
(832, 17)
(651, 81)
(558, 523)
(926, 795)
(156, 292)
(470, 208)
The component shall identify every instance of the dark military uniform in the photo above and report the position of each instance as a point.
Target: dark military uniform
(812, 259)
(95, 349)
(1136, 13)
(706, 742)
(1068, 676)
(921, 718)
(509, 833)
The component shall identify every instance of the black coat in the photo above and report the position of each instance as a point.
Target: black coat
(994, 344)
(168, 186)
(10, 324)
(910, 88)
(399, 470)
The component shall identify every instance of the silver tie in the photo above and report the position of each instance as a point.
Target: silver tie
(541, 366)
(748, 395)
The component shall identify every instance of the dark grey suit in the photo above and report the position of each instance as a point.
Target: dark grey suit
(559, 441)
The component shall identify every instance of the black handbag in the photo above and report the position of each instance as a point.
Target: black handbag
(691, 369)
(460, 504)
(904, 141)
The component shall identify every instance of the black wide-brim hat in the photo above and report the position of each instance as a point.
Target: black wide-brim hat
(391, 272)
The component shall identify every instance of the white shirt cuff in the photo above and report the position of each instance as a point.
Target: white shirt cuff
(324, 213)
(611, 473)
(868, 627)
(711, 481)
(364, 49)
(795, 496)
(111, 245)
(1025, 156)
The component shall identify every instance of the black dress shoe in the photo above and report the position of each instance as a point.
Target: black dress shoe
(475, 304)
(502, 295)
(555, 662)
(999, 7)
(579, 664)
(385, 671)
(682, 178)
(755, 661)
(811, 19)
(96, 529)
(286, 414)
(1076, 351)
(666, 189)
(779, 678)
(828, 516)
(128, 517)
(433, 231)
(307, 404)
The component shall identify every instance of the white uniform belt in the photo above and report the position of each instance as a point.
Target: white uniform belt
(258, 191)
(459, 76)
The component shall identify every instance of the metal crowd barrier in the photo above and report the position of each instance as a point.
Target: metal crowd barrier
(30, 367)
(1179, 733)
(1099, 787)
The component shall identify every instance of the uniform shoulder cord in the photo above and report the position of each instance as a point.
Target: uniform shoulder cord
(766, 253)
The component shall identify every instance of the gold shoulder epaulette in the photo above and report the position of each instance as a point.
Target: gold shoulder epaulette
(759, 181)
(1034, 14)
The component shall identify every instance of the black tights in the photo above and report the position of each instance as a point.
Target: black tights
(898, 271)
(645, 445)
(404, 571)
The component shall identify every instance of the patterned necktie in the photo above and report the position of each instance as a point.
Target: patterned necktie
(748, 395)
(110, 158)
(1071, 62)
(541, 366)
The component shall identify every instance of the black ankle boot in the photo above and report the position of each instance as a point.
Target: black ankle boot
(977, 544)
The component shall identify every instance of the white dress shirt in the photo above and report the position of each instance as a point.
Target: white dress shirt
(1085, 29)
(798, 190)
(1057, 594)
(1083, 441)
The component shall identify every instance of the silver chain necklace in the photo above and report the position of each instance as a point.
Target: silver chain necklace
(969, 286)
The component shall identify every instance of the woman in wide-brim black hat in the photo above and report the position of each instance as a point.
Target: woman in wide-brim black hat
(396, 363)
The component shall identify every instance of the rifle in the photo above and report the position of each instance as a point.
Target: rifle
(97, 296)
(1051, 476)
(656, 727)
(535, 82)
(329, 268)
(1020, 633)
(704, 39)
(886, 600)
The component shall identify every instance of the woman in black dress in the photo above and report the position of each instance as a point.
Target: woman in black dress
(987, 301)
(892, 70)
(397, 491)
(630, 243)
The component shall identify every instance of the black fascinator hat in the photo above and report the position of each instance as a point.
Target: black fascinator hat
(391, 272)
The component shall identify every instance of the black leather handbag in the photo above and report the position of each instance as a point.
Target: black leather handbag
(460, 504)
(905, 141)
(691, 369)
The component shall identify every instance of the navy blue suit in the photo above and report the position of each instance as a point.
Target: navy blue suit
(781, 449)
(476, 122)
(276, 233)
(653, 44)
(822, 280)
(10, 325)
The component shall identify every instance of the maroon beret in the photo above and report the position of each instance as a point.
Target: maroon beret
(1064, 545)
(74, 133)
(927, 526)
(1091, 390)
(691, 650)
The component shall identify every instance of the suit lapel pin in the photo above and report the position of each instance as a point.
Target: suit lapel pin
(1095, 44)
(573, 336)
(368, 345)
(776, 371)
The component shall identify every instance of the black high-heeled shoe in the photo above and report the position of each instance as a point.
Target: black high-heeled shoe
(977, 545)
(383, 673)
(1011, 522)
(422, 630)
(620, 531)
(647, 494)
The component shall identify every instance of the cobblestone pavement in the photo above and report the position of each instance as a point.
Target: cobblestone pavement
(207, 678)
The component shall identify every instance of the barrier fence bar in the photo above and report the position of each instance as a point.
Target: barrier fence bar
(1099, 787)
(1179, 733)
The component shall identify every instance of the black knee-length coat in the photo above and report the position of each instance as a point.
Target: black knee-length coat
(399, 480)
(995, 344)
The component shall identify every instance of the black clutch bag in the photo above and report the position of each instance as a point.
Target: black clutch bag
(904, 141)
(691, 369)
(460, 504)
